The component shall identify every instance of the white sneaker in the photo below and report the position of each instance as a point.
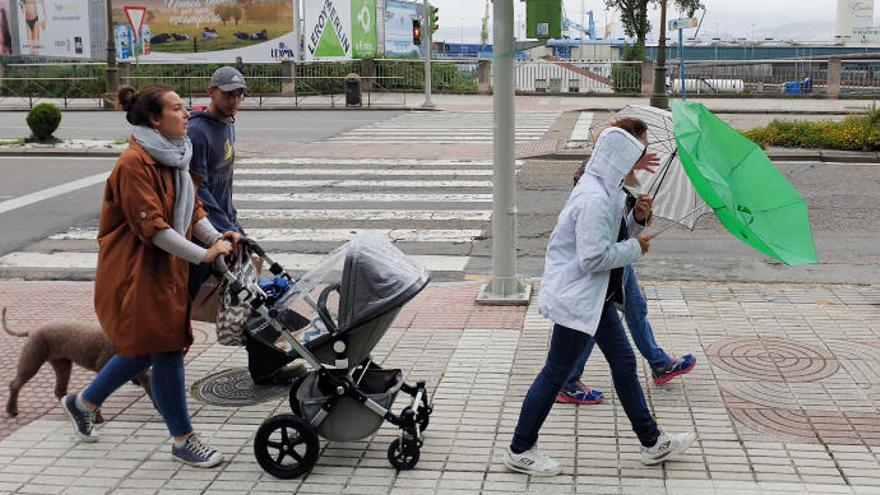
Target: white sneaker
(531, 462)
(667, 446)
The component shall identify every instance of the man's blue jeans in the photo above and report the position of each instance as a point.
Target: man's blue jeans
(635, 310)
(566, 346)
(167, 382)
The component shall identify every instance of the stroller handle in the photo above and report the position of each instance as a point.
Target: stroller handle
(219, 264)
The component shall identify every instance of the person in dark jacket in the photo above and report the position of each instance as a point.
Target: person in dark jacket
(212, 132)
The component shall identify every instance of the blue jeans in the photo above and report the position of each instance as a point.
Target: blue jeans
(566, 346)
(635, 310)
(167, 381)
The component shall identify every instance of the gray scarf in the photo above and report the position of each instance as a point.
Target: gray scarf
(174, 154)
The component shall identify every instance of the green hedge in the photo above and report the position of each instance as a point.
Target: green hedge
(854, 133)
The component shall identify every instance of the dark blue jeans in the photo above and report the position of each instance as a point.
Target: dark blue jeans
(635, 310)
(169, 389)
(566, 346)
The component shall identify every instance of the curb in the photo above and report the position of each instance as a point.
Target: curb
(825, 156)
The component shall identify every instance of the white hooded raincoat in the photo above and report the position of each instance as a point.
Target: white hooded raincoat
(582, 249)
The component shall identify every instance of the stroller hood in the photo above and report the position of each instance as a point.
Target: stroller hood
(376, 277)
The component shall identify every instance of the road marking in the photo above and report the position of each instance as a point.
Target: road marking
(36, 197)
(291, 261)
(366, 214)
(347, 172)
(581, 131)
(371, 162)
(372, 183)
(362, 198)
(319, 235)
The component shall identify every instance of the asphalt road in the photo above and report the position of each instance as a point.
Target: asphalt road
(843, 208)
(24, 176)
(301, 126)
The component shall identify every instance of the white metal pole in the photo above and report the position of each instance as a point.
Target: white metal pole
(426, 43)
(297, 31)
(504, 287)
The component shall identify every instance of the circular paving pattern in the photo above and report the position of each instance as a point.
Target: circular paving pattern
(234, 388)
(773, 359)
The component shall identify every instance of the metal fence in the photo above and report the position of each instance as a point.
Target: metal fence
(384, 82)
(387, 82)
(754, 77)
(563, 76)
(860, 78)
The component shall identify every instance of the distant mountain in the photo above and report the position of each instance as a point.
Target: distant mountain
(806, 31)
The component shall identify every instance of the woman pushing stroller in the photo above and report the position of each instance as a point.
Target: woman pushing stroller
(582, 284)
(149, 214)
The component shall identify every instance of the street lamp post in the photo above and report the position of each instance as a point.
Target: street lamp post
(426, 42)
(111, 72)
(504, 288)
(659, 98)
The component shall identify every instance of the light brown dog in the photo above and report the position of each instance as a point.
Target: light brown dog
(62, 344)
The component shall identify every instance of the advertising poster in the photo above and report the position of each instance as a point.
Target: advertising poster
(54, 28)
(399, 16)
(339, 29)
(6, 26)
(210, 30)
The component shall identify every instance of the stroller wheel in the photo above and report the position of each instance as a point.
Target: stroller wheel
(294, 386)
(286, 446)
(403, 455)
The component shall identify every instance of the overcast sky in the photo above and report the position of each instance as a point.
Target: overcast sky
(735, 17)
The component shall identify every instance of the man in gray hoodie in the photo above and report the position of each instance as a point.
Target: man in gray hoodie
(212, 132)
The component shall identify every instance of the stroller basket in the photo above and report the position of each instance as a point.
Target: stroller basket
(350, 420)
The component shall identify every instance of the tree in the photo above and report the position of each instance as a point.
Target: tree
(634, 14)
(634, 17)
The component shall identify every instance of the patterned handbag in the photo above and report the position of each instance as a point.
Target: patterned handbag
(233, 313)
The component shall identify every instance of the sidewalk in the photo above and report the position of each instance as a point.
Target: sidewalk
(476, 103)
(785, 399)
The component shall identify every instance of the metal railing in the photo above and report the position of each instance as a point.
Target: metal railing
(386, 82)
(564, 76)
(753, 77)
(860, 78)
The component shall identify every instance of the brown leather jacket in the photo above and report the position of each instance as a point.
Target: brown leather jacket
(140, 290)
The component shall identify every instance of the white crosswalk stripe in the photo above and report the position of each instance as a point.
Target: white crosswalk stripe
(445, 128)
(300, 208)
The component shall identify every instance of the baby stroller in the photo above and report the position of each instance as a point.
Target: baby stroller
(333, 317)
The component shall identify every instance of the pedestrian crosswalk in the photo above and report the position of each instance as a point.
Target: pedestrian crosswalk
(445, 128)
(302, 208)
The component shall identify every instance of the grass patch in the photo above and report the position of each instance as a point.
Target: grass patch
(854, 133)
(12, 142)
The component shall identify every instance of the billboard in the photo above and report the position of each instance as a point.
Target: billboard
(398, 28)
(54, 28)
(339, 29)
(206, 30)
(6, 46)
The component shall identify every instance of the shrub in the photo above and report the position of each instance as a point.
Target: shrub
(43, 120)
(854, 133)
(627, 78)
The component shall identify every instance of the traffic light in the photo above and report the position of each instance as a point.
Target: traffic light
(435, 20)
(417, 32)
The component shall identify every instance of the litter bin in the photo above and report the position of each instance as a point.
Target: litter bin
(352, 90)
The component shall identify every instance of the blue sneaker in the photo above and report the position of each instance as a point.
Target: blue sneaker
(195, 453)
(678, 367)
(581, 394)
(83, 421)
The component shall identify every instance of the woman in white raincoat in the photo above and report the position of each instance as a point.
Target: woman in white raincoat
(582, 283)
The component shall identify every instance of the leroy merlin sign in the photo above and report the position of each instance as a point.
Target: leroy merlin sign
(340, 29)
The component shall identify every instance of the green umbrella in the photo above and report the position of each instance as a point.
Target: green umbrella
(751, 197)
